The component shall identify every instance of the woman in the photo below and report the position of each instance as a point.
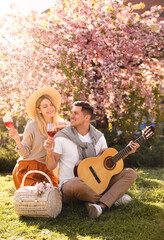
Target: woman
(42, 107)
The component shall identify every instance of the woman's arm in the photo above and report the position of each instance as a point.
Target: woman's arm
(13, 133)
(23, 147)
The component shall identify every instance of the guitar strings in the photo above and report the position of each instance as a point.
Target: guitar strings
(126, 150)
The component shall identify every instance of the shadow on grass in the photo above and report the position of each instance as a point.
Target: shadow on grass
(135, 221)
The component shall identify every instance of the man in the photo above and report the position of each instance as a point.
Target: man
(75, 143)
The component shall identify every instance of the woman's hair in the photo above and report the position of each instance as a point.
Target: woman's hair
(42, 125)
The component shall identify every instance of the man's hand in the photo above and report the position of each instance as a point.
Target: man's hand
(52, 158)
(49, 144)
(133, 146)
(75, 168)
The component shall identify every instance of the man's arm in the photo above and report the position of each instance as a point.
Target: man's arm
(52, 158)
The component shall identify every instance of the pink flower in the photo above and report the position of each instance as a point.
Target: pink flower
(41, 187)
(87, 51)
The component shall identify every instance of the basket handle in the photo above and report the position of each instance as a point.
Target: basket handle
(36, 171)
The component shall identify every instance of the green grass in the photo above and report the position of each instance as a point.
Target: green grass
(141, 219)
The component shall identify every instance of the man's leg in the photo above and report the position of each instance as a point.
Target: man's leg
(118, 186)
(76, 190)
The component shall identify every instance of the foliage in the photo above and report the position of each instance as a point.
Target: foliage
(8, 158)
(100, 51)
(8, 155)
(150, 155)
(140, 219)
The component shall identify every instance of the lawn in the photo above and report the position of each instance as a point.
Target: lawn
(141, 219)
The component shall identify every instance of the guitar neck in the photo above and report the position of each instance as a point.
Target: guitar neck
(126, 150)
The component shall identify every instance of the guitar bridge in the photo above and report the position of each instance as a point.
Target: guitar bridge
(94, 174)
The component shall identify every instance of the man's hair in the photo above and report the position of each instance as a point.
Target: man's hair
(86, 107)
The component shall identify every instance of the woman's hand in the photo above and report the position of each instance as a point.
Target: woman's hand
(13, 133)
(62, 125)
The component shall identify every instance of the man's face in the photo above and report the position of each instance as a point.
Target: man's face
(77, 117)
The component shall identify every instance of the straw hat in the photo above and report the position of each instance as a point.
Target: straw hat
(31, 102)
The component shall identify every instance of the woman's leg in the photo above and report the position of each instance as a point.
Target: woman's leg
(22, 167)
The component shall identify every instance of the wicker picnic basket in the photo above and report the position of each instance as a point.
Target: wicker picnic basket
(28, 203)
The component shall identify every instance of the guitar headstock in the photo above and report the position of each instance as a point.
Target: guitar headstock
(148, 132)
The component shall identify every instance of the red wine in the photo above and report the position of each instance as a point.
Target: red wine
(9, 124)
(51, 133)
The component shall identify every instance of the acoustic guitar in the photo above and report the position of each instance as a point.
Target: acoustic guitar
(97, 172)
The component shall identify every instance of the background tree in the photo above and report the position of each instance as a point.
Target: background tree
(99, 51)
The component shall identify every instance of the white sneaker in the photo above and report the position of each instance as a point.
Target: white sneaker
(94, 210)
(125, 199)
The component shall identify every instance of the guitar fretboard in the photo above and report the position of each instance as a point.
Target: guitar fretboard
(126, 150)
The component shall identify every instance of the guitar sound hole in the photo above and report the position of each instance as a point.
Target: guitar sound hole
(108, 163)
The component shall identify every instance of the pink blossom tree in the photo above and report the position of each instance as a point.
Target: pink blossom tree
(99, 51)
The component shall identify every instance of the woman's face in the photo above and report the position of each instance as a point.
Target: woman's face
(47, 109)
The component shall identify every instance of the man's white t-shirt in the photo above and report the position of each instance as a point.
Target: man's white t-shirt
(69, 154)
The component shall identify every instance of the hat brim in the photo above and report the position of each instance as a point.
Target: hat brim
(31, 102)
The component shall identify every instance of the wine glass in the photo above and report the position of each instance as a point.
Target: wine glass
(8, 121)
(51, 129)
